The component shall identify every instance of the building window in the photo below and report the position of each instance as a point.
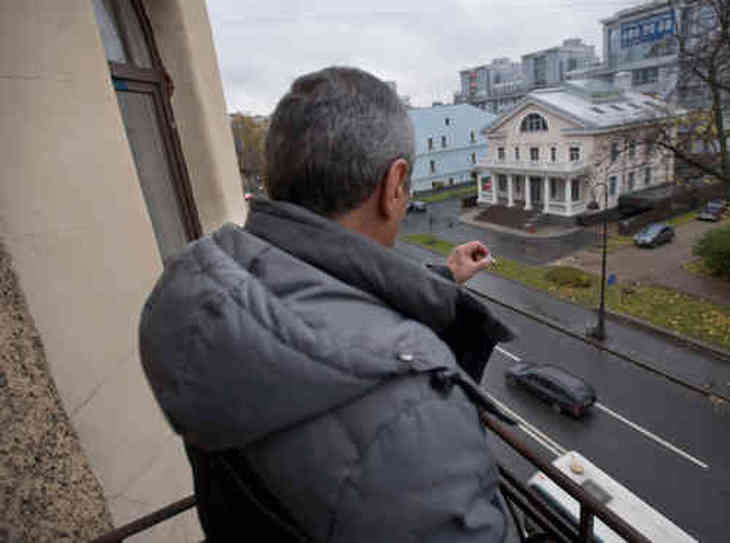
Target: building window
(647, 176)
(518, 184)
(473, 158)
(472, 136)
(447, 121)
(430, 144)
(612, 185)
(631, 180)
(143, 93)
(533, 123)
(575, 190)
(534, 153)
(502, 180)
(632, 149)
(574, 154)
(553, 188)
(500, 153)
(614, 151)
(451, 180)
(443, 141)
(432, 166)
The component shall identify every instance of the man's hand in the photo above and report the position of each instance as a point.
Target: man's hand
(466, 260)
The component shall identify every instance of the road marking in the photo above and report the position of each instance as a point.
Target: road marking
(629, 423)
(507, 353)
(530, 430)
(654, 437)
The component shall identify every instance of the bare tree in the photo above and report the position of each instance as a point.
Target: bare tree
(249, 136)
(698, 134)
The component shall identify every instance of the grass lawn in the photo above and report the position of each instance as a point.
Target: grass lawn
(660, 306)
(463, 192)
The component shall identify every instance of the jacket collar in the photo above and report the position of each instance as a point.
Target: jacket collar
(459, 319)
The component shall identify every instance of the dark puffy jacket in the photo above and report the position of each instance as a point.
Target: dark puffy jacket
(311, 355)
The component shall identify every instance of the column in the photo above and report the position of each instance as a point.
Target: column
(510, 198)
(568, 199)
(546, 194)
(495, 199)
(528, 192)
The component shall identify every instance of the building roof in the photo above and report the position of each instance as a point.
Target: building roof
(593, 105)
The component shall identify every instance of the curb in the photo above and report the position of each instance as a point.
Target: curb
(686, 341)
(641, 363)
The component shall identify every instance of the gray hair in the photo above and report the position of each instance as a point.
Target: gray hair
(332, 139)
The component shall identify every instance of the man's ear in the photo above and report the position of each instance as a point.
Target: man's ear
(394, 196)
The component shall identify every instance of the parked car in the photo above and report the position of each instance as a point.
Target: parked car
(709, 213)
(717, 203)
(653, 235)
(417, 205)
(556, 386)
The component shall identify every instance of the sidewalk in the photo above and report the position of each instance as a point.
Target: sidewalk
(697, 368)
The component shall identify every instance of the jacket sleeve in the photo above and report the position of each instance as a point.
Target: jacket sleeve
(428, 476)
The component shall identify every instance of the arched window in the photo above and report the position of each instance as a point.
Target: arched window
(533, 123)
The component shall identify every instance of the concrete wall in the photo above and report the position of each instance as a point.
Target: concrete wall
(74, 220)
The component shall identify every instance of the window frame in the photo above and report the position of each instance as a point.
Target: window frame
(127, 77)
(574, 157)
(534, 154)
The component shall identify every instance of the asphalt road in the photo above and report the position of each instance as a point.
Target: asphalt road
(441, 220)
(666, 443)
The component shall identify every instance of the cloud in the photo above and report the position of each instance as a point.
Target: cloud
(263, 46)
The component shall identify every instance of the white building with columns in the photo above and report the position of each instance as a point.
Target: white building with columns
(549, 152)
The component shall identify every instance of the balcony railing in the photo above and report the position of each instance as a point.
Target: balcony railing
(566, 167)
(522, 502)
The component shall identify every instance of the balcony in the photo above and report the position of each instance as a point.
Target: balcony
(529, 167)
(525, 506)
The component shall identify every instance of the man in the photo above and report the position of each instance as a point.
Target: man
(324, 386)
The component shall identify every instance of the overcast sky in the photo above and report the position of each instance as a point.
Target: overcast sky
(263, 45)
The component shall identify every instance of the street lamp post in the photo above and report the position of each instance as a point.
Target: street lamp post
(599, 331)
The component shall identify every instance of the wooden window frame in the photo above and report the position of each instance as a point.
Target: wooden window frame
(155, 81)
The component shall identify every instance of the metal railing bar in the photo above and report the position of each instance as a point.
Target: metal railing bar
(586, 523)
(538, 517)
(143, 523)
(611, 519)
(530, 499)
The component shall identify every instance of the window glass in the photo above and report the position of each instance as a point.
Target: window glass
(121, 32)
(139, 112)
(109, 30)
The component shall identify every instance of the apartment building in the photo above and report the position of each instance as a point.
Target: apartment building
(449, 142)
(117, 153)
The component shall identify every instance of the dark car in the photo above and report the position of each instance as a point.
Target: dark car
(558, 387)
(653, 235)
(417, 205)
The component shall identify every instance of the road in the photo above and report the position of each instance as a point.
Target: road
(663, 441)
(441, 219)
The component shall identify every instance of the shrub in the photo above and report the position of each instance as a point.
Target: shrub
(714, 249)
(569, 277)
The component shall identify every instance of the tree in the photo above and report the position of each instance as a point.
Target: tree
(249, 136)
(698, 136)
